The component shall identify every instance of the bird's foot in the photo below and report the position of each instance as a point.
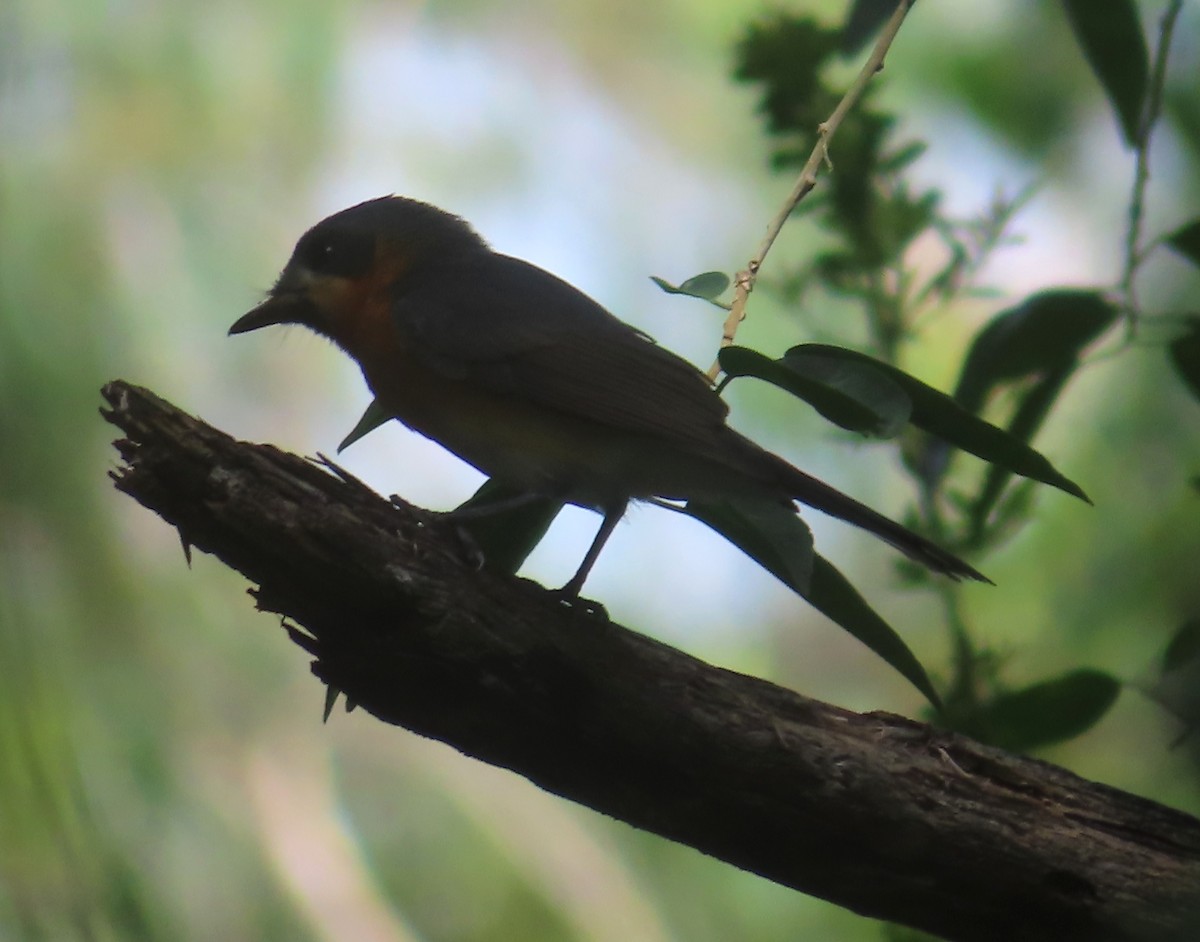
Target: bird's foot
(571, 599)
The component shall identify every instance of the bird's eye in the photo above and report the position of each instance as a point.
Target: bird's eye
(343, 253)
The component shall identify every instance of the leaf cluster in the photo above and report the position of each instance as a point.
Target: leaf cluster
(1015, 369)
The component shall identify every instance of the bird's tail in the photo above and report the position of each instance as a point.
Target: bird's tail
(816, 493)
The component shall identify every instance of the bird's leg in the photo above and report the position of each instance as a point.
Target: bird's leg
(612, 516)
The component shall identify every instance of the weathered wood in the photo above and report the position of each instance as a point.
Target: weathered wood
(888, 817)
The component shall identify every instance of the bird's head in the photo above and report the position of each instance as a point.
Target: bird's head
(361, 253)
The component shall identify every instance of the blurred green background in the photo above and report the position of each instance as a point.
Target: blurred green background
(164, 773)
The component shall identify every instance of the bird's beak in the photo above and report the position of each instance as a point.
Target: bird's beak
(290, 302)
(278, 308)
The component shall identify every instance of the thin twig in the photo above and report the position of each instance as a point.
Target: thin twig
(1141, 173)
(744, 282)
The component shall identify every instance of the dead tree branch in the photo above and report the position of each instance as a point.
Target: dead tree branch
(880, 814)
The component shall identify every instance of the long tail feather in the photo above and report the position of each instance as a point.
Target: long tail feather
(816, 493)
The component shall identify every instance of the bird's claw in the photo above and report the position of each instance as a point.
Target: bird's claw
(576, 602)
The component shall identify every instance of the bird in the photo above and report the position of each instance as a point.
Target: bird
(528, 379)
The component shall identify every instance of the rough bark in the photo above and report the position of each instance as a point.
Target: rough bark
(888, 817)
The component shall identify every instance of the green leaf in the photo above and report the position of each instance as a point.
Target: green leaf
(1110, 35)
(783, 54)
(1040, 339)
(505, 527)
(834, 597)
(770, 533)
(1183, 649)
(897, 161)
(707, 286)
(374, 416)
(900, 218)
(863, 20)
(842, 271)
(1032, 411)
(861, 382)
(1185, 356)
(1047, 712)
(779, 541)
(1040, 335)
(853, 395)
(1178, 688)
(940, 415)
(1186, 241)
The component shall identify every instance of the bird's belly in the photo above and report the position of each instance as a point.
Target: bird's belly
(537, 448)
(524, 444)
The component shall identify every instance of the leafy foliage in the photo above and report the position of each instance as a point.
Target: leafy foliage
(779, 541)
(1043, 335)
(771, 534)
(1044, 713)
(1177, 687)
(707, 286)
(1018, 364)
(1110, 35)
(1186, 241)
(854, 397)
(1183, 649)
(835, 597)
(862, 394)
(1185, 356)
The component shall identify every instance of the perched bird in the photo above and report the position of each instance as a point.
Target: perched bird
(528, 379)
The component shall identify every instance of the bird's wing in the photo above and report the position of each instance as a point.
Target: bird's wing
(511, 328)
